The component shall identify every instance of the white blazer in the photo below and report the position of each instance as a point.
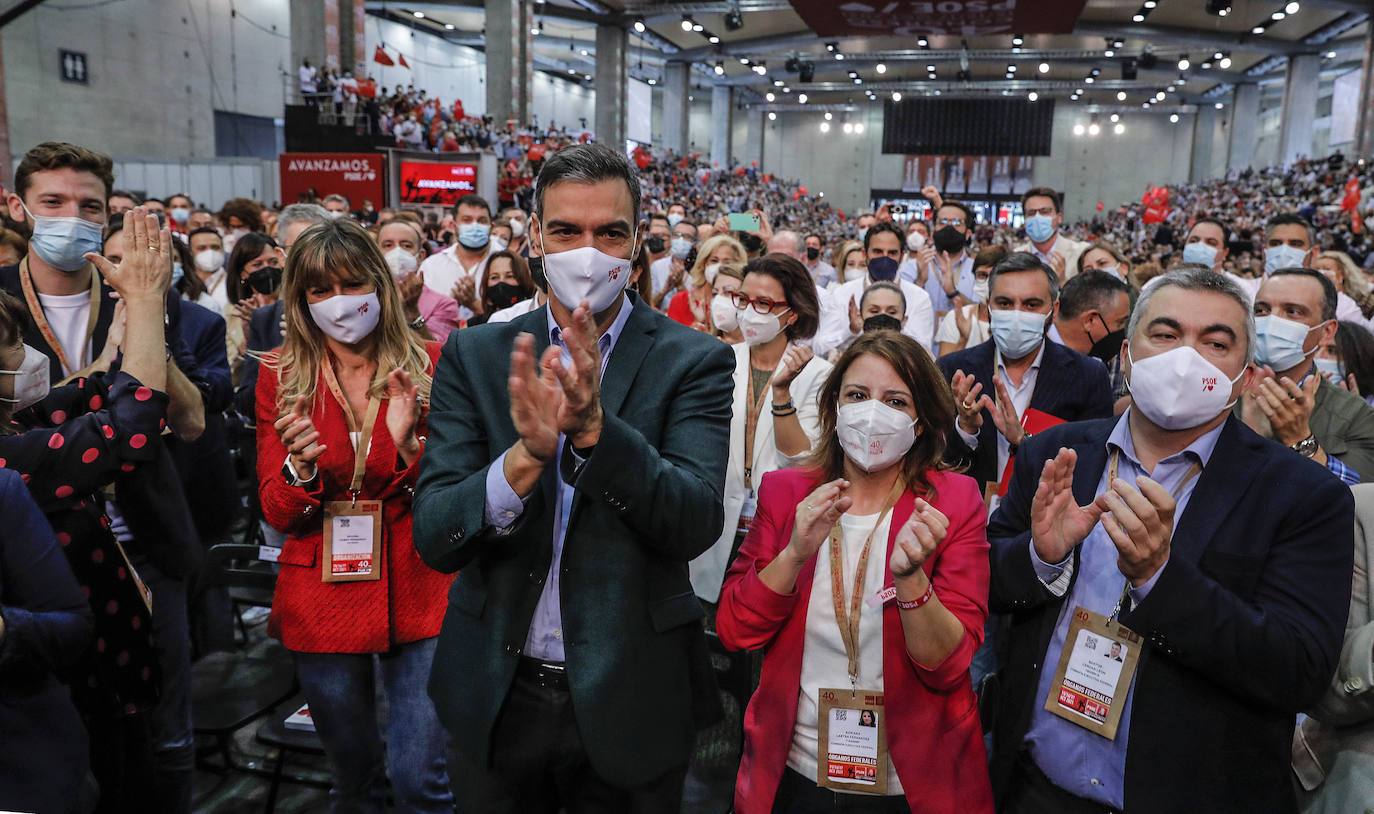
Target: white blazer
(707, 571)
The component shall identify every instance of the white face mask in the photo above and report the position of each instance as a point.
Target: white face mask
(874, 435)
(710, 272)
(517, 228)
(30, 380)
(1179, 389)
(759, 329)
(498, 244)
(587, 274)
(210, 260)
(915, 241)
(724, 314)
(402, 262)
(1279, 341)
(980, 289)
(1282, 257)
(348, 318)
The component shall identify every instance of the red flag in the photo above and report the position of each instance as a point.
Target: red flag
(401, 58)
(380, 57)
(1352, 195)
(802, 189)
(537, 152)
(1101, 205)
(1356, 223)
(458, 109)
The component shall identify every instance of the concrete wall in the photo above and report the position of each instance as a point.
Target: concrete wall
(844, 167)
(699, 122)
(157, 73)
(563, 103)
(443, 69)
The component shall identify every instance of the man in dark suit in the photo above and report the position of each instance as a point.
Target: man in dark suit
(1226, 554)
(575, 465)
(994, 383)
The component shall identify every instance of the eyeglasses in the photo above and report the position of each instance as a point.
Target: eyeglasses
(951, 221)
(1044, 210)
(761, 304)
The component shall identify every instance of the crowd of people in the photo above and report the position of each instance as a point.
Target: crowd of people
(1048, 519)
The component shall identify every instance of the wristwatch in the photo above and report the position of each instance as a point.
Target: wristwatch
(417, 323)
(1307, 447)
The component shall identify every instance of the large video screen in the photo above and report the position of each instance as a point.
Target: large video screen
(935, 126)
(435, 182)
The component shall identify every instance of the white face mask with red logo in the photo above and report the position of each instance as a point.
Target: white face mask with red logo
(874, 435)
(586, 273)
(1179, 389)
(348, 318)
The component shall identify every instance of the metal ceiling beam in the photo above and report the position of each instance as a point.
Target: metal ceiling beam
(1336, 27)
(743, 6)
(1188, 36)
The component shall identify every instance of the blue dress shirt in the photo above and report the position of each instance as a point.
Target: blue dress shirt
(1075, 759)
(545, 638)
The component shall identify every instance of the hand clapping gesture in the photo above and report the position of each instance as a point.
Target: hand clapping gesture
(146, 270)
(403, 414)
(917, 540)
(298, 434)
(816, 516)
(1058, 523)
(970, 401)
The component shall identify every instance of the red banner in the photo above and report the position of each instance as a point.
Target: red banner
(1352, 195)
(429, 182)
(967, 18)
(357, 176)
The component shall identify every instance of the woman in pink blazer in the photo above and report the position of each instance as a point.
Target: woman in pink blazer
(908, 540)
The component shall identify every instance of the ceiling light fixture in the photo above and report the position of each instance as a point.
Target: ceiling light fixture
(896, 96)
(687, 22)
(639, 25)
(772, 117)
(881, 68)
(1044, 67)
(1032, 96)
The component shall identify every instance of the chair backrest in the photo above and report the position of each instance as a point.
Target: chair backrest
(236, 565)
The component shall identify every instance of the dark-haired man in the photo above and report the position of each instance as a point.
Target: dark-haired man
(572, 670)
(1291, 402)
(822, 272)
(463, 263)
(1091, 305)
(121, 201)
(1044, 219)
(842, 322)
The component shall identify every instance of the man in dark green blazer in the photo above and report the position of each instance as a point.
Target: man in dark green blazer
(575, 464)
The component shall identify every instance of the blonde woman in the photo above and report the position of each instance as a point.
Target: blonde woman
(1354, 299)
(851, 263)
(693, 306)
(724, 316)
(340, 433)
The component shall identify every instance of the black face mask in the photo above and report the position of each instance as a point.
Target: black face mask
(655, 245)
(882, 322)
(504, 295)
(949, 239)
(812, 253)
(537, 272)
(1108, 347)
(882, 269)
(265, 280)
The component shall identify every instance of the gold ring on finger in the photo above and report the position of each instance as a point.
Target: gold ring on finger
(968, 405)
(152, 248)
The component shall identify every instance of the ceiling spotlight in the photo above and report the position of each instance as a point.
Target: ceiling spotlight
(720, 69)
(639, 25)
(858, 81)
(1032, 96)
(1078, 129)
(923, 42)
(853, 74)
(537, 30)
(1278, 15)
(653, 81)
(687, 23)
(1159, 97)
(1017, 40)
(777, 83)
(1218, 7)
(760, 69)
(1219, 105)
(1116, 117)
(828, 117)
(896, 96)
(449, 26)
(801, 97)
(587, 77)
(744, 60)
(1121, 96)
(1009, 76)
(698, 27)
(1173, 118)
(848, 128)
(1259, 29)
(1224, 63)
(1183, 63)
(770, 96)
(1094, 129)
(1011, 69)
(583, 52)
(772, 117)
(1119, 129)
(713, 39)
(831, 46)
(839, 56)
(574, 70)
(734, 21)
(1224, 12)
(881, 68)
(1330, 54)
(786, 89)
(1138, 18)
(825, 127)
(858, 128)
(1044, 67)
(419, 15)
(1292, 8)
(1089, 80)
(1079, 91)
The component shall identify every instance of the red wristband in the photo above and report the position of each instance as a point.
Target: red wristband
(916, 603)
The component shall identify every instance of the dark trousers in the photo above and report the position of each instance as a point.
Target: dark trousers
(800, 795)
(539, 764)
(1031, 792)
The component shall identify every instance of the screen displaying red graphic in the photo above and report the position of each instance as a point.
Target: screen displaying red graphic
(429, 182)
(357, 176)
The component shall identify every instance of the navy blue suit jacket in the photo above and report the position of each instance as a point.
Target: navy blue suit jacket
(1069, 385)
(1242, 629)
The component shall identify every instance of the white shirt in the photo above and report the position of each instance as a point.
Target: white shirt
(1020, 399)
(978, 330)
(68, 315)
(218, 291)
(443, 270)
(824, 661)
(307, 74)
(658, 277)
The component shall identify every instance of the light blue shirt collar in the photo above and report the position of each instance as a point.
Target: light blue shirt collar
(1201, 449)
(607, 340)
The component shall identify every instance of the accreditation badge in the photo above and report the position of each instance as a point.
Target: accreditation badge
(1095, 673)
(352, 545)
(746, 512)
(853, 741)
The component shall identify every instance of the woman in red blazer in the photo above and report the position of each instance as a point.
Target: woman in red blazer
(351, 376)
(874, 479)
